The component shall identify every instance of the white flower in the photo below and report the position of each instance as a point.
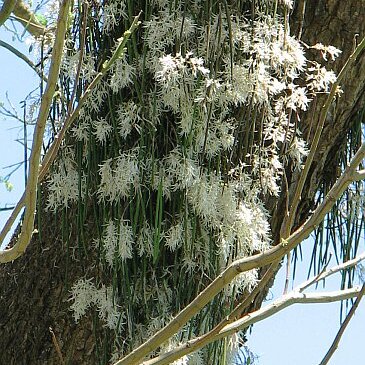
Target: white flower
(186, 119)
(169, 68)
(162, 31)
(298, 150)
(172, 68)
(197, 65)
(110, 241)
(70, 64)
(81, 131)
(103, 299)
(181, 171)
(241, 86)
(82, 294)
(128, 117)
(117, 240)
(331, 50)
(269, 180)
(63, 185)
(118, 176)
(203, 197)
(246, 280)
(190, 265)
(125, 241)
(88, 68)
(122, 74)
(251, 229)
(320, 79)
(145, 241)
(297, 98)
(208, 92)
(112, 12)
(102, 130)
(98, 95)
(174, 236)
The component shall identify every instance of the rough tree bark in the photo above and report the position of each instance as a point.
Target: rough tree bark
(34, 288)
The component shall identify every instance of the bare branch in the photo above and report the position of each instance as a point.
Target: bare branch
(27, 18)
(22, 57)
(207, 338)
(343, 327)
(6, 10)
(287, 300)
(31, 189)
(331, 271)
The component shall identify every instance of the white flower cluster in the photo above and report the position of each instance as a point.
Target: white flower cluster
(145, 241)
(84, 295)
(102, 130)
(128, 118)
(119, 176)
(174, 236)
(63, 185)
(117, 242)
(122, 74)
(175, 172)
(111, 15)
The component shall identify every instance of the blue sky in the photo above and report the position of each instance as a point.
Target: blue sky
(300, 334)
(17, 79)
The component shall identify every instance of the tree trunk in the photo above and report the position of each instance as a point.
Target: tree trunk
(35, 288)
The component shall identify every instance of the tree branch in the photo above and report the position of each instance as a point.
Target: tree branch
(22, 57)
(27, 18)
(6, 10)
(287, 300)
(30, 196)
(343, 327)
(331, 271)
(209, 337)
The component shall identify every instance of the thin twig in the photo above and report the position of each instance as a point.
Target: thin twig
(325, 273)
(23, 57)
(342, 329)
(287, 273)
(57, 346)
